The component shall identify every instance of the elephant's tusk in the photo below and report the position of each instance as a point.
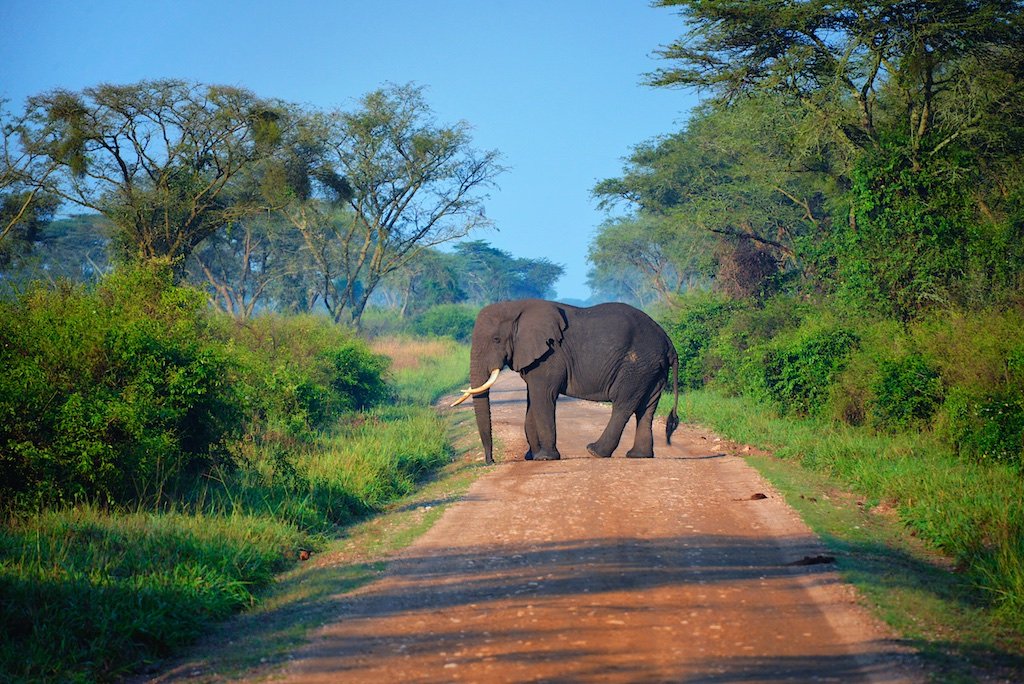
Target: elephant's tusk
(487, 385)
(466, 394)
(461, 399)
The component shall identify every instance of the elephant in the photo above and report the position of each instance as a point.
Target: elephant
(609, 352)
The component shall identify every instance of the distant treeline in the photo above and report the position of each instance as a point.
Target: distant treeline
(263, 264)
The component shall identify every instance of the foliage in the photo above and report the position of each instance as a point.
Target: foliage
(114, 392)
(986, 426)
(860, 68)
(301, 372)
(447, 320)
(956, 374)
(162, 160)
(700, 319)
(488, 274)
(916, 241)
(799, 370)
(91, 594)
(109, 393)
(907, 392)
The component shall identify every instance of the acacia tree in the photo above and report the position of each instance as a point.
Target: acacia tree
(922, 108)
(161, 159)
(414, 184)
(920, 66)
(24, 209)
(738, 192)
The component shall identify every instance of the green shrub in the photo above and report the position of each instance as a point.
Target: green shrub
(109, 393)
(301, 373)
(986, 426)
(447, 320)
(701, 319)
(735, 355)
(907, 393)
(799, 371)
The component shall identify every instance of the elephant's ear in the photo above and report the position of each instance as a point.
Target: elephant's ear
(538, 328)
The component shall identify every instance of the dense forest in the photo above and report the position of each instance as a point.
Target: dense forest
(840, 225)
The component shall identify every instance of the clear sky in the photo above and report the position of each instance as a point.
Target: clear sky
(553, 85)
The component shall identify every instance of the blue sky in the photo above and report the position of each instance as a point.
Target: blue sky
(554, 85)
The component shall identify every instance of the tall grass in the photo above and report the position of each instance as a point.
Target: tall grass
(974, 512)
(88, 594)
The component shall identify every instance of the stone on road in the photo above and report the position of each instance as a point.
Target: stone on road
(608, 570)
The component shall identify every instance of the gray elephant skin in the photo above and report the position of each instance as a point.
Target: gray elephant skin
(609, 352)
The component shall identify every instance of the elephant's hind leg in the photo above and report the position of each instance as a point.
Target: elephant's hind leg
(609, 439)
(643, 442)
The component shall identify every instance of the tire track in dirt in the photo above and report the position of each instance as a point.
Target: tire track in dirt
(606, 570)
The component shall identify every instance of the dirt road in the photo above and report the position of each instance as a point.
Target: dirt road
(611, 570)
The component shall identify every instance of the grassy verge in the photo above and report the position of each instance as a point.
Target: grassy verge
(933, 541)
(90, 595)
(255, 644)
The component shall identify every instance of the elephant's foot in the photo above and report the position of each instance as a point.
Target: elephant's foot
(595, 450)
(634, 453)
(528, 456)
(547, 455)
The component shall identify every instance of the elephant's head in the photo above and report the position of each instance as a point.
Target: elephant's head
(517, 334)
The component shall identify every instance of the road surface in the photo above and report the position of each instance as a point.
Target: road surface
(607, 570)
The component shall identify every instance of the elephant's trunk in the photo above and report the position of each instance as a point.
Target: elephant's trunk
(482, 407)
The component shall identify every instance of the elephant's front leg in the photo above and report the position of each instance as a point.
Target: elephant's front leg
(540, 424)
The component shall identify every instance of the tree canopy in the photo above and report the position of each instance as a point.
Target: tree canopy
(162, 160)
(866, 152)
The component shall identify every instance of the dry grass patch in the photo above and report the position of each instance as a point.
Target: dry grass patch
(408, 353)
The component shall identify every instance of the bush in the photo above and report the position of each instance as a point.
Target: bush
(735, 355)
(300, 373)
(799, 372)
(447, 320)
(701, 319)
(109, 393)
(112, 393)
(986, 426)
(907, 393)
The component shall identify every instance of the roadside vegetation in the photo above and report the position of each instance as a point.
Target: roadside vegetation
(162, 462)
(927, 419)
(833, 240)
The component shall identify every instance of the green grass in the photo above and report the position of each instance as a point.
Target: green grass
(970, 512)
(90, 595)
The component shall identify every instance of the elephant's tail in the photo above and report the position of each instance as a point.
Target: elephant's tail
(672, 422)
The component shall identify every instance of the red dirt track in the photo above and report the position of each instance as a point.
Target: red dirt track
(609, 570)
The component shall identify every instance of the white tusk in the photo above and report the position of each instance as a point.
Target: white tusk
(487, 385)
(467, 393)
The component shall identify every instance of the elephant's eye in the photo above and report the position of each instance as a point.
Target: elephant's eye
(497, 340)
